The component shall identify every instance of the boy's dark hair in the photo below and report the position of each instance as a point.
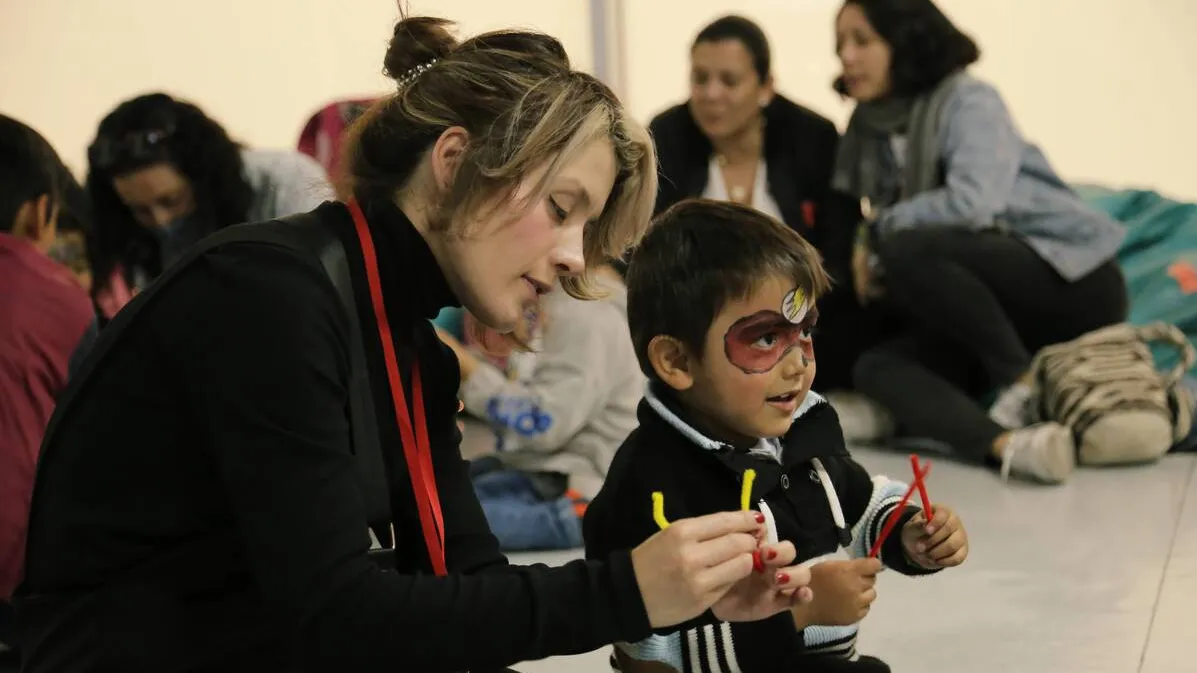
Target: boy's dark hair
(744, 31)
(926, 46)
(700, 254)
(29, 169)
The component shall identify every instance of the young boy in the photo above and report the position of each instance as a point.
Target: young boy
(721, 306)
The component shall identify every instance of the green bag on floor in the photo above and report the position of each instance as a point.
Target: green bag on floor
(1158, 257)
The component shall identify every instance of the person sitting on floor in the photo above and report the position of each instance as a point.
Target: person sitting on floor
(973, 241)
(162, 175)
(721, 304)
(736, 138)
(558, 421)
(43, 312)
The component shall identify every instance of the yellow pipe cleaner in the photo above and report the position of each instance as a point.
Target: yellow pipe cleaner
(746, 490)
(745, 500)
(659, 510)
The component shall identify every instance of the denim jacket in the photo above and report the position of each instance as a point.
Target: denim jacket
(994, 178)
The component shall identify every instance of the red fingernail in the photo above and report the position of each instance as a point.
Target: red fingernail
(758, 565)
(760, 518)
(771, 555)
(783, 578)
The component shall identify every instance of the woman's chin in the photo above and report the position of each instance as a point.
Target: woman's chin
(501, 319)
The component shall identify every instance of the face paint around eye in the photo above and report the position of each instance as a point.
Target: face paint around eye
(756, 343)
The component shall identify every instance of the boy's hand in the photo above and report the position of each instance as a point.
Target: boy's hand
(942, 543)
(843, 593)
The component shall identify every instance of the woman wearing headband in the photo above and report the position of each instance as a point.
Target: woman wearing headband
(199, 505)
(162, 175)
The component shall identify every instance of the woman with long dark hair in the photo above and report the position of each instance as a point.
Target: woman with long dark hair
(973, 241)
(162, 175)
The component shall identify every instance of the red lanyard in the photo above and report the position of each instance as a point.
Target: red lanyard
(416, 448)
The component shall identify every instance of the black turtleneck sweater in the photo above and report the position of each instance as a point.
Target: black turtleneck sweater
(197, 508)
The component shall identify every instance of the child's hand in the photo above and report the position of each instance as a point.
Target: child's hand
(843, 593)
(942, 543)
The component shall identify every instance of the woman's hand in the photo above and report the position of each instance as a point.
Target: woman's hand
(706, 562)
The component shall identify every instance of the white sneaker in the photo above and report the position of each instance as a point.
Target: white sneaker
(1045, 452)
(1011, 409)
(862, 420)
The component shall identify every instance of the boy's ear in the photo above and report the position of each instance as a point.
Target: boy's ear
(36, 221)
(672, 361)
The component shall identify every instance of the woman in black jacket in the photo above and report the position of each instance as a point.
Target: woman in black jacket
(737, 139)
(201, 504)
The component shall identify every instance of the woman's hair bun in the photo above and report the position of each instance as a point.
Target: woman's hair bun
(417, 40)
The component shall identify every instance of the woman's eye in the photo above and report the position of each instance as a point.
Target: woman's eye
(558, 212)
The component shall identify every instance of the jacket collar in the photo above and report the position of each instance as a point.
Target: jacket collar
(685, 171)
(406, 264)
(814, 430)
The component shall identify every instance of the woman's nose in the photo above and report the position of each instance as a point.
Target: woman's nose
(847, 55)
(568, 257)
(711, 91)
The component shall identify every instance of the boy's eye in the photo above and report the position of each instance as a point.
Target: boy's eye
(766, 341)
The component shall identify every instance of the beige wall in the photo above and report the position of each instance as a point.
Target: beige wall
(261, 67)
(1108, 87)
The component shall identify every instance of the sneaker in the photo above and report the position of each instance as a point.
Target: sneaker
(862, 420)
(1011, 409)
(1045, 452)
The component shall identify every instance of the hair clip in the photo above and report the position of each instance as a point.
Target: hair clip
(412, 73)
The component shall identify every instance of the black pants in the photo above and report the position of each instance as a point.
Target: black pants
(977, 306)
(846, 330)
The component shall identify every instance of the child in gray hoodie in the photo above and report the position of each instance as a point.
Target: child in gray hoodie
(558, 416)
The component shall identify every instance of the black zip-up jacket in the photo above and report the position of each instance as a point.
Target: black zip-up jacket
(198, 507)
(799, 149)
(808, 486)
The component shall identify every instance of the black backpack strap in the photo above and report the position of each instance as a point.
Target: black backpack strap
(304, 233)
(311, 235)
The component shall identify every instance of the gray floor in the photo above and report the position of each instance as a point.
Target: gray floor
(1098, 576)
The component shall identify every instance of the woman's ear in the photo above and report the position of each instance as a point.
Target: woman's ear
(767, 92)
(447, 153)
(672, 361)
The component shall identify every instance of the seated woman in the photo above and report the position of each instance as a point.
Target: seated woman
(161, 176)
(737, 139)
(974, 241)
(559, 412)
